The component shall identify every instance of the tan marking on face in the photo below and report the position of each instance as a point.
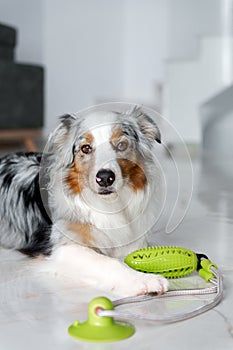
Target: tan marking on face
(87, 139)
(83, 231)
(73, 179)
(134, 172)
(117, 136)
(77, 177)
(130, 163)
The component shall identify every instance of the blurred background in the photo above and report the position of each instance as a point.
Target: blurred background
(59, 56)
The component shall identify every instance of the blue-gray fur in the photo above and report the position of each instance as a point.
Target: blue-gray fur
(25, 225)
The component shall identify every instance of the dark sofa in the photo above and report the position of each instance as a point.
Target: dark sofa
(21, 90)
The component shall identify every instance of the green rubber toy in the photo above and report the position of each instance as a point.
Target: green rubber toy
(100, 329)
(171, 262)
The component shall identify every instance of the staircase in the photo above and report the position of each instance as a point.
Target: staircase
(191, 82)
(216, 116)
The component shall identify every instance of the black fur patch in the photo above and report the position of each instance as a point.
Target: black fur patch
(27, 224)
(40, 243)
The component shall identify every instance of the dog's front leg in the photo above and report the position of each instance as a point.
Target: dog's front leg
(84, 265)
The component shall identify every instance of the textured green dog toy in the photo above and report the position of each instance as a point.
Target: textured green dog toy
(100, 329)
(171, 262)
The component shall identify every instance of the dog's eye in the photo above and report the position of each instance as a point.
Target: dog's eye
(122, 146)
(86, 149)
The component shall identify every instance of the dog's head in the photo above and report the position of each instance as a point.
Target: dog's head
(105, 151)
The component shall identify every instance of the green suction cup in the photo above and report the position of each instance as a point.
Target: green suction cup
(100, 328)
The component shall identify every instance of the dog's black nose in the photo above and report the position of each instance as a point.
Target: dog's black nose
(105, 177)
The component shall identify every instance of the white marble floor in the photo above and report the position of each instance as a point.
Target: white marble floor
(36, 309)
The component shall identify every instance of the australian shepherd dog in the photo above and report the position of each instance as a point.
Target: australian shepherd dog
(88, 200)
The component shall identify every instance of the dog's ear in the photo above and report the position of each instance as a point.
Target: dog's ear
(67, 121)
(58, 137)
(148, 127)
(146, 124)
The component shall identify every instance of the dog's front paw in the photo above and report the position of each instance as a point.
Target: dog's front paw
(150, 283)
(143, 283)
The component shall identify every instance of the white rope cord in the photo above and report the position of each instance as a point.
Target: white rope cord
(216, 288)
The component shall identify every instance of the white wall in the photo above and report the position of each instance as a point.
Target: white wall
(83, 52)
(102, 50)
(27, 16)
(107, 49)
(92, 50)
(146, 48)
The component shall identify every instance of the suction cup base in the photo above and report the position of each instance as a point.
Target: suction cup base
(99, 328)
